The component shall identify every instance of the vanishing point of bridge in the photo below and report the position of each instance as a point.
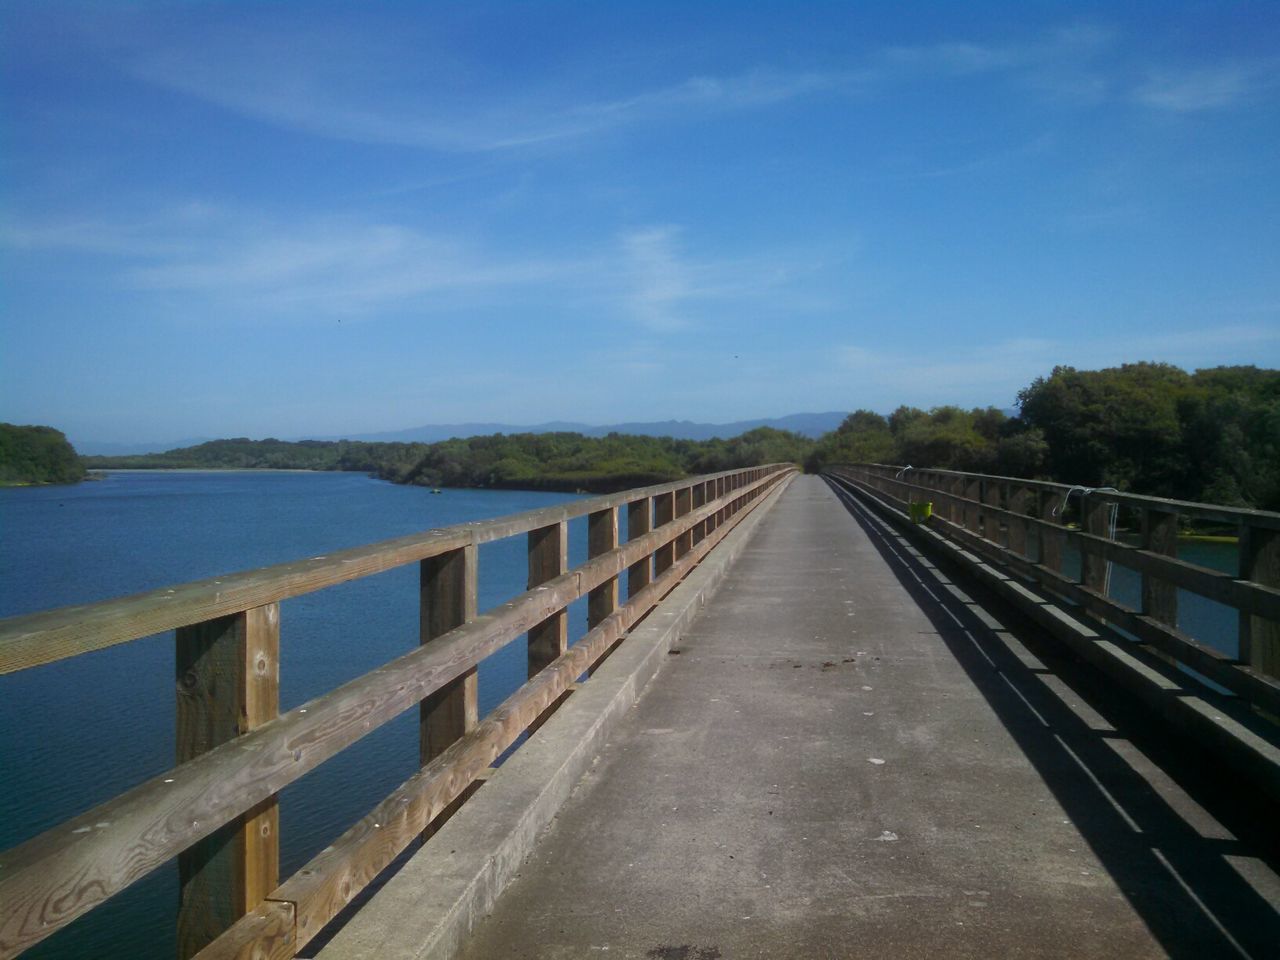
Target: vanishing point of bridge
(798, 726)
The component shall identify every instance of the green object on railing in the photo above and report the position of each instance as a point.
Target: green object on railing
(920, 512)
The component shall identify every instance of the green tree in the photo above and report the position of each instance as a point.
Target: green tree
(37, 454)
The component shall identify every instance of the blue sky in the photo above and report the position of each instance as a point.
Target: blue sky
(258, 219)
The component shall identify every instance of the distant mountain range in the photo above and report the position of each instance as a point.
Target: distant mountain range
(806, 424)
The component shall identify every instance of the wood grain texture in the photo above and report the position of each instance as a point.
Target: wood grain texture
(699, 499)
(52, 635)
(228, 683)
(1231, 516)
(602, 538)
(548, 559)
(448, 591)
(1159, 536)
(1256, 598)
(640, 522)
(1095, 512)
(53, 878)
(1021, 500)
(684, 503)
(266, 933)
(664, 510)
(326, 884)
(1260, 636)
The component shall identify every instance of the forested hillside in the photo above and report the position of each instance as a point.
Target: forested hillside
(1151, 428)
(1212, 435)
(550, 461)
(32, 454)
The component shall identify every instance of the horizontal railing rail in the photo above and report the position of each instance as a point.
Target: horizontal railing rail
(223, 795)
(1021, 524)
(45, 637)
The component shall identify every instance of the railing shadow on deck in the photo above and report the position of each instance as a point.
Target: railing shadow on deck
(1180, 881)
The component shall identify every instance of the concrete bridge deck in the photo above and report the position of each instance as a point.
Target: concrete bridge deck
(845, 755)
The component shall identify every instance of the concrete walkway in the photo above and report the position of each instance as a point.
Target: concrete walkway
(846, 757)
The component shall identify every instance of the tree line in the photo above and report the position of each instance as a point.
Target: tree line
(1152, 428)
(530, 461)
(34, 454)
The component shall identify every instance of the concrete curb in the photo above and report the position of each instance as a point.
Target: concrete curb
(429, 907)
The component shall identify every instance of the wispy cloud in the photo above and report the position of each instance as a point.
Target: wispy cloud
(304, 91)
(234, 264)
(1206, 88)
(348, 268)
(660, 282)
(325, 87)
(326, 266)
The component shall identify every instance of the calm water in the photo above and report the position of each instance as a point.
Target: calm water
(76, 733)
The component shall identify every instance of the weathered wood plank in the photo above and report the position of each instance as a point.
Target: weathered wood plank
(1095, 511)
(61, 874)
(323, 887)
(640, 522)
(1259, 599)
(1260, 564)
(602, 537)
(684, 503)
(1160, 536)
(37, 638)
(548, 559)
(448, 586)
(267, 933)
(1218, 513)
(51, 879)
(699, 499)
(1020, 501)
(664, 510)
(228, 683)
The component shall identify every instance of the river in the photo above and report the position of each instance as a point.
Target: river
(76, 733)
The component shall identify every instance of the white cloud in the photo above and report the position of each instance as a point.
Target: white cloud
(341, 267)
(319, 89)
(1207, 88)
(659, 282)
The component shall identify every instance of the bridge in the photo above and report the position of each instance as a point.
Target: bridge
(799, 724)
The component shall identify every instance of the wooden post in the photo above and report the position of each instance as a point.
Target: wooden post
(639, 522)
(992, 496)
(972, 512)
(228, 683)
(684, 503)
(1052, 503)
(1160, 535)
(447, 599)
(548, 558)
(1159, 597)
(664, 505)
(1019, 498)
(1260, 563)
(602, 536)
(699, 500)
(1094, 518)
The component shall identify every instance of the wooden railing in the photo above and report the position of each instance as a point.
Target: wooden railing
(217, 810)
(1022, 526)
